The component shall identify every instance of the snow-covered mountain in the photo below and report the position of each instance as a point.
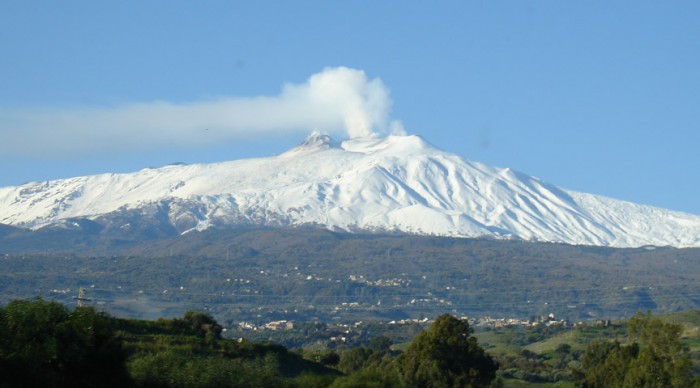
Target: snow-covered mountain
(397, 184)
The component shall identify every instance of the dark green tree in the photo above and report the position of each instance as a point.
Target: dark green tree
(202, 324)
(653, 357)
(606, 363)
(446, 355)
(663, 360)
(380, 343)
(44, 344)
(375, 373)
(357, 358)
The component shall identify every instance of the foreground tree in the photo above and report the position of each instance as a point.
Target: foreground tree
(447, 355)
(44, 344)
(653, 357)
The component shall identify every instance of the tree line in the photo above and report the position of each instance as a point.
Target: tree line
(44, 343)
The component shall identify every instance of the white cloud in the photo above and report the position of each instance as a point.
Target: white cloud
(340, 101)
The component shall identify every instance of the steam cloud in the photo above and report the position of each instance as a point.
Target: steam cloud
(340, 101)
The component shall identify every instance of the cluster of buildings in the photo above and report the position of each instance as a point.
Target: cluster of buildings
(394, 282)
(482, 322)
(488, 322)
(273, 325)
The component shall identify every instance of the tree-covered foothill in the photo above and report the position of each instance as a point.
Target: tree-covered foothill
(309, 274)
(653, 356)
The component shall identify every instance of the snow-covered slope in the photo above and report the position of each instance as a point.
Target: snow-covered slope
(398, 183)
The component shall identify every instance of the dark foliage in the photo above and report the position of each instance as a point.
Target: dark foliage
(653, 356)
(447, 355)
(44, 344)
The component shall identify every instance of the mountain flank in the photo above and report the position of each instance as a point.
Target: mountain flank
(397, 184)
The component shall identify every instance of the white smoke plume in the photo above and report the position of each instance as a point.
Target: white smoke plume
(339, 101)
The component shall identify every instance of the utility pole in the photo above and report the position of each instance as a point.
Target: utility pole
(81, 297)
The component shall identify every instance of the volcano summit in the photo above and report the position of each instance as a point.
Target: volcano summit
(394, 184)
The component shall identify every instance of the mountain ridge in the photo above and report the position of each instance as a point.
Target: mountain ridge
(391, 184)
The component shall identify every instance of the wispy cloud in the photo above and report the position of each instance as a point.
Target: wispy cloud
(339, 101)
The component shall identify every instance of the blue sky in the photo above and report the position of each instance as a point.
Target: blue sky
(599, 97)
